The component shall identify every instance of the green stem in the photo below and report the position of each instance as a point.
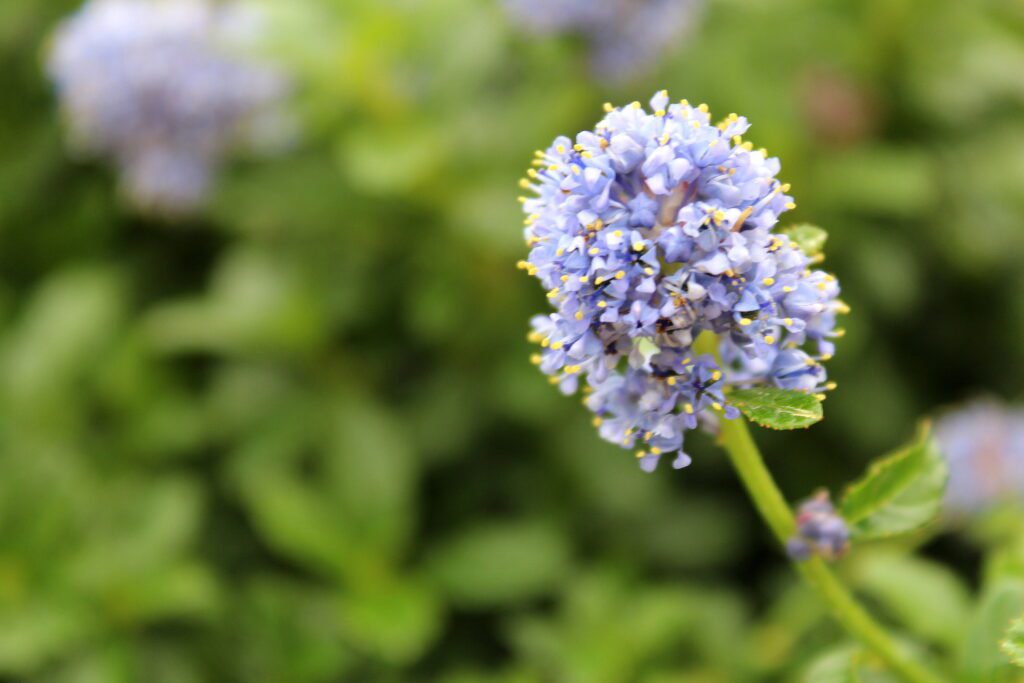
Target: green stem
(736, 439)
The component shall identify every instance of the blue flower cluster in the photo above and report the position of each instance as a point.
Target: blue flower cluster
(161, 88)
(983, 443)
(650, 230)
(820, 531)
(624, 35)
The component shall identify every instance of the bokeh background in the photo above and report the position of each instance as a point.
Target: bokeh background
(297, 437)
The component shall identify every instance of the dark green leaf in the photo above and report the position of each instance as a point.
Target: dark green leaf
(777, 408)
(500, 563)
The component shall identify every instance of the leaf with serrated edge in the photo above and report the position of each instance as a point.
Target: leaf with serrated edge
(810, 238)
(777, 408)
(899, 493)
(1012, 644)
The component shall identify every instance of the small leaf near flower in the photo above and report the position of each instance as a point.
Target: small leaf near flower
(1013, 643)
(810, 238)
(899, 493)
(647, 348)
(777, 408)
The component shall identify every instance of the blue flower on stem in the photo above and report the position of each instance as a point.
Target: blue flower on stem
(650, 230)
(820, 531)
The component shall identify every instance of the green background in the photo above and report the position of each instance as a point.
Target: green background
(298, 438)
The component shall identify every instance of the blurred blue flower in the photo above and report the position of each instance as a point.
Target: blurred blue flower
(983, 443)
(646, 232)
(163, 89)
(623, 35)
(820, 530)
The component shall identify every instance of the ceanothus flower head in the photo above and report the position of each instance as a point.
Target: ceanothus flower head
(623, 35)
(649, 231)
(161, 88)
(558, 16)
(983, 443)
(820, 530)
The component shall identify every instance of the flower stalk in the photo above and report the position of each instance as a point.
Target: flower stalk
(735, 438)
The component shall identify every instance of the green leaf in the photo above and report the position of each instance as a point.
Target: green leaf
(906, 586)
(647, 348)
(900, 493)
(810, 238)
(835, 666)
(981, 658)
(777, 408)
(393, 619)
(291, 630)
(502, 563)
(1012, 644)
(40, 631)
(846, 664)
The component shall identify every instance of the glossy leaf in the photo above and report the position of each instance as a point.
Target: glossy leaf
(777, 408)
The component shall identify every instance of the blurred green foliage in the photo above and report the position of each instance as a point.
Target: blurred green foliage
(298, 439)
